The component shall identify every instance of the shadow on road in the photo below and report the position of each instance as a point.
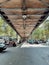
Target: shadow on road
(6, 51)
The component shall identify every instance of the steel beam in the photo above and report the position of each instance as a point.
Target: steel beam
(41, 21)
(4, 2)
(22, 15)
(8, 21)
(22, 8)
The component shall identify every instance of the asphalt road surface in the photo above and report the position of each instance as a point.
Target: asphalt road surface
(25, 55)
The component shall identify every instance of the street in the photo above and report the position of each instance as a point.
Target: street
(25, 55)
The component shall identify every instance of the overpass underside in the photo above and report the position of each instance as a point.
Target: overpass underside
(24, 15)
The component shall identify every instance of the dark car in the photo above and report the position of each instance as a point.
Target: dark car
(36, 42)
(12, 43)
(2, 45)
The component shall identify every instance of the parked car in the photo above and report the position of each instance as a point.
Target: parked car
(30, 41)
(33, 41)
(2, 45)
(36, 42)
(42, 41)
(47, 41)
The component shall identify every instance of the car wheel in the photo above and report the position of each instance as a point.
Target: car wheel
(1, 50)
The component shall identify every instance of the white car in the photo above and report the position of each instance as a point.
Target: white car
(2, 45)
(47, 41)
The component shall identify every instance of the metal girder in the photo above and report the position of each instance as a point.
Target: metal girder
(32, 2)
(22, 9)
(42, 20)
(23, 5)
(22, 19)
(25, 25)
(43, 1)
(22, 15)
(4, 2)
(17, 17)
(8, 21)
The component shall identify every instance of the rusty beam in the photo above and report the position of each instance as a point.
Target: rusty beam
(8, 21)
(41, 20)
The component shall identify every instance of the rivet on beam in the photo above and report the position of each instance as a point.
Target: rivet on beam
(42, 17)
(46, 12)
(1, 12)
(40, 20)
(8, 20)
(5, 17)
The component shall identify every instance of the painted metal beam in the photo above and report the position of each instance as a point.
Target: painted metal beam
(22, 15)
(45, 3)
(4, 2)
(41, 21)
(22, 8)
(8, 21)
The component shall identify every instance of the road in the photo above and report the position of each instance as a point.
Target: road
(25, 55)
